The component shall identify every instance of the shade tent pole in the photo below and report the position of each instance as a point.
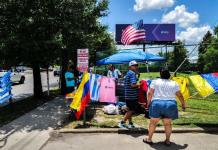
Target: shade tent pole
(143, 47)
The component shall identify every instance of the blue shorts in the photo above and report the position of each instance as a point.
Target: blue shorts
(163, 109)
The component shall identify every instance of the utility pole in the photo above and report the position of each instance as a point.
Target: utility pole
(166, 56)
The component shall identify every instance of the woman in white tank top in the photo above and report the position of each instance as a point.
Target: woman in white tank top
(162, 105)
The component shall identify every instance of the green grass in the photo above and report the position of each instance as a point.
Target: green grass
(149, 75)
(200, 113)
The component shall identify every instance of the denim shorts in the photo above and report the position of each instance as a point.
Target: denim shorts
(163, 109)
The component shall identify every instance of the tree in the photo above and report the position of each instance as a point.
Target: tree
(178, 56)
(207, 39)
(29, 30)
(211, 54)
(105, 49)
(212, 62)
(80, 28)
(39, 33)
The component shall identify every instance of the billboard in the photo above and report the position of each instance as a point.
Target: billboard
(82, 59)
(155, 33)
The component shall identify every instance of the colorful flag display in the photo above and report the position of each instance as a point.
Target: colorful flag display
(205, 84)
(183, 85)
(82, 96)
(95, 87)
(5, 88)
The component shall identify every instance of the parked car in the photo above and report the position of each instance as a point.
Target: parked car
(57, 71)
(16, 77)
(45, 69)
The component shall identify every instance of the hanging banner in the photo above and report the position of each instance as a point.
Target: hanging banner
(82, 59)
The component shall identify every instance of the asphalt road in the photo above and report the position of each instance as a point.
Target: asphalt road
(21, 91)
(188, 141)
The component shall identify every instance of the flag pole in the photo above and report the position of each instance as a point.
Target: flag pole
(184, 60)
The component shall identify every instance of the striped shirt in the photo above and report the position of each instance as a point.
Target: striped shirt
(130, 93)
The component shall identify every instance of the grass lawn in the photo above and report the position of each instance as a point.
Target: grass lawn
(200, 112)
(149, 75)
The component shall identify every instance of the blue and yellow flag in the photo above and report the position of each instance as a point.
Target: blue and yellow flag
(205, 84)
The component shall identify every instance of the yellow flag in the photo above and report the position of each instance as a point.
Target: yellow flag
(202, 86)
(183, 85)
(79, 93)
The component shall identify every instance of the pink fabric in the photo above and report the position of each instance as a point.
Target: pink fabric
(107, 90)
(215, 74)
(143, 93)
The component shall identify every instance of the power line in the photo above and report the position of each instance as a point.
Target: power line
(174, 45)
(152, 47)
(185, 60)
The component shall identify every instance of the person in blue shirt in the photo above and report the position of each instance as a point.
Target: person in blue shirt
(131, 94)
(70, 80)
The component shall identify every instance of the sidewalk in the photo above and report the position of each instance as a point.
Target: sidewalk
(31, 130)
(111, 141)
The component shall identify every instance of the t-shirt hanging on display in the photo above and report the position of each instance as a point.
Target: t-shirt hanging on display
(107, 90)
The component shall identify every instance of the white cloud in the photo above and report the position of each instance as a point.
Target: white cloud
(193, 35)
(152, 4)
(181, 16)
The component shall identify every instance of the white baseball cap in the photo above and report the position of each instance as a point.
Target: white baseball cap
(132, 63)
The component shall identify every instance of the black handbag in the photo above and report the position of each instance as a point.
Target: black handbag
(147, 114)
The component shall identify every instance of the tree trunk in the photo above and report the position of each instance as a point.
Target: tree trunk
(64, 64)
(37, 89)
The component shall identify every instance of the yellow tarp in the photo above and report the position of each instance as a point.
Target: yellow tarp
(79, 93)
(201, 85)
(184, 86)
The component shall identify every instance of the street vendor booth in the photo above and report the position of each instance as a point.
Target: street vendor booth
(98, 88)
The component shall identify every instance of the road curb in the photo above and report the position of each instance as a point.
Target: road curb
(137, 131)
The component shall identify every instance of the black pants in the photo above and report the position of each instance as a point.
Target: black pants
(70, 89)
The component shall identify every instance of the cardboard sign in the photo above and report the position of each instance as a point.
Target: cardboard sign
(82, 59)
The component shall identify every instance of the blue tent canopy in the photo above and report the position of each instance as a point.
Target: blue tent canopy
(125, 56)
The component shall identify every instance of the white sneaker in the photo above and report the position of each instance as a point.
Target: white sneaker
(130, 126)
(122, 125)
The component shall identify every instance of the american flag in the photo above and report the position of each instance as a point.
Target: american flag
(133, 33)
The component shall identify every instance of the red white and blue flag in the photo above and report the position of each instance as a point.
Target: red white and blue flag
(133, 33)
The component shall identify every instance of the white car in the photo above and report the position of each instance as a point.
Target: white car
(16, 77)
